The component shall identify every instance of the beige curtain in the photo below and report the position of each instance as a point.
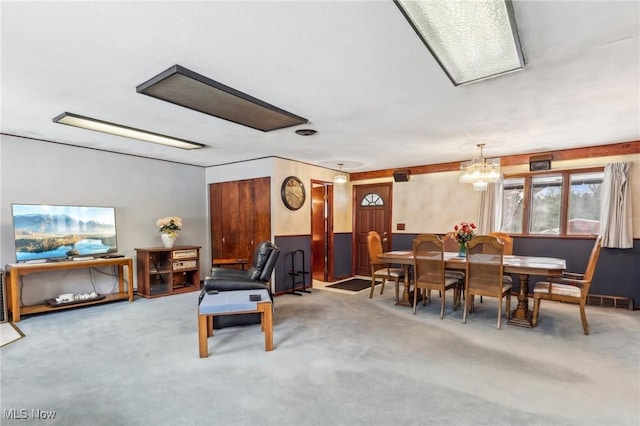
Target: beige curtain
(490, 209)
(616, 221)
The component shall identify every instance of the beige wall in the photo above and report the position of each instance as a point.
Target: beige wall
(287, 222)
(435, 202)
(432, 202)
(284, 221)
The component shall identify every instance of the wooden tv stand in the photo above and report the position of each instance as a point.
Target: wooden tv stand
(16, 270)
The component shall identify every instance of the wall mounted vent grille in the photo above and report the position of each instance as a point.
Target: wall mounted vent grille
(610, 301)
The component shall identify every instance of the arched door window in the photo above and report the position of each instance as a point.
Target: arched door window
(372, 199)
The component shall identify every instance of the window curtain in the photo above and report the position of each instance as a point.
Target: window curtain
(490, 209)
(616, 221)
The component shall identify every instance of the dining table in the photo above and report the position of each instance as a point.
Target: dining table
(523, 266)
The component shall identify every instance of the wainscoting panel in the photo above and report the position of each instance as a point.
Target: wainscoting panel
(287, 244)
(342, 255)
(617, 272)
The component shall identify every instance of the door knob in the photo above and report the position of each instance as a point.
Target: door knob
(223, 241)
(385, 239)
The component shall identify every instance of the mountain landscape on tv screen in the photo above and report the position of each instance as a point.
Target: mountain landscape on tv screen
(43, 235)
(58, 223)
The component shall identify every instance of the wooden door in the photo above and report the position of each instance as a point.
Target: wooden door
(216, 213)
(240, 213)
(242, 224)
(372, 212)
(321, 231)
(261, 212)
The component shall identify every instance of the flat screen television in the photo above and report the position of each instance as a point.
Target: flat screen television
(56, 232)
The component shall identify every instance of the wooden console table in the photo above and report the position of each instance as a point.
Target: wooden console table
(229, 262)
(16, 270)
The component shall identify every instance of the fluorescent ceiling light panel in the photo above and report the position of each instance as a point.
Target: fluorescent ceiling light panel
(124, 131)
(471, 40)
(186, 88)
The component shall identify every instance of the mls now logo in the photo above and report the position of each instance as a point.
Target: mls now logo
(23, 413)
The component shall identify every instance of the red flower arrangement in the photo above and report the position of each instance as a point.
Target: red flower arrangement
(464, 232)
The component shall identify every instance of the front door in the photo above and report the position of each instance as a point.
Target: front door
(372, 212)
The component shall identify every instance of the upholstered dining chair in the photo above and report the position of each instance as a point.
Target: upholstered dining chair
(381, 269)
(429, 272)
(570, 287)
(450, 244)
(485, 274)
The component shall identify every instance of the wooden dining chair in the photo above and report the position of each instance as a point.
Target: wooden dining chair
(508, 248)
(429, 272)
(485, 274)
(381, 269)
(450, 244)
(570, 287)
(506, 240)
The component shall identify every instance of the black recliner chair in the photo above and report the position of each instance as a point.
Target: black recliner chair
(256, 277)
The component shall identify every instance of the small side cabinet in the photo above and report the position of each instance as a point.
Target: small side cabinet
(165, 271)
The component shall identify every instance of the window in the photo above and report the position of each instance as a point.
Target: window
(372, 199)
(584, 203)
(554, 203)
(512, 205)
(546, 200)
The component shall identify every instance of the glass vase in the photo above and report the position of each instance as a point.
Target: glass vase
(462, 250)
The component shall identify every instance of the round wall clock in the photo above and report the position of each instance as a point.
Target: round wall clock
(292, 192)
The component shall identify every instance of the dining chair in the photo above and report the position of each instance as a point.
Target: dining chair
(381, 269)
(429, 271)
(506, 240)
(450, 244)
(508, 248)
(570, 287)
(485, 274)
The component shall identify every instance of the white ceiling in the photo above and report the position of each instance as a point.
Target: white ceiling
(356, 70)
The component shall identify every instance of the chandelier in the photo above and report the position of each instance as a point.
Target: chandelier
(341, 177)
(480, 171)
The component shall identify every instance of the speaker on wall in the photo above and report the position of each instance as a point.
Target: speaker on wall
(401, 175)
(539, 163)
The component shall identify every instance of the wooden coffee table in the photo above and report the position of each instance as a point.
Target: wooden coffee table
(233, 303)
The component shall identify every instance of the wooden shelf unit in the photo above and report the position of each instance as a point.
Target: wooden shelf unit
(16, 270)
(164, 271)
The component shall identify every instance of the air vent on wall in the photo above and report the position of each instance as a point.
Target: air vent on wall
(606, 301)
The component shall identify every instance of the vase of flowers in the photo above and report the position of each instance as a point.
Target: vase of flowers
(463, 232)
(168, 227)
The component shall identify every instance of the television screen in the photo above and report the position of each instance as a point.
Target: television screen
(53, 232)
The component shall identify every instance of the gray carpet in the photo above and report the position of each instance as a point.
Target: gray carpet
(339, 359)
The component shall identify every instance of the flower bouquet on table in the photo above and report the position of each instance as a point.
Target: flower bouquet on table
(169, 225)
(463, 232)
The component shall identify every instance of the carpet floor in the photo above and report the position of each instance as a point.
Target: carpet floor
(338, 359)
(354, 284)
